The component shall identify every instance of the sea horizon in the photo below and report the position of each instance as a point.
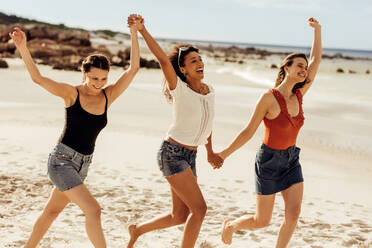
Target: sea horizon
(355, 53)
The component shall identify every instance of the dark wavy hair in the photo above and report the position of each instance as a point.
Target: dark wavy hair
(173, 57)
(288, 61)
(99, 61)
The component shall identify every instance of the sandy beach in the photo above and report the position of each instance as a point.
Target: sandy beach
(336, 158)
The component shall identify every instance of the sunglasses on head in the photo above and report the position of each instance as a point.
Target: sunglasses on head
(180, 50)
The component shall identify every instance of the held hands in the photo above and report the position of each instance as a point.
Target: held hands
(136, 21)
(18, 37)
(313, 23)
(215, 160)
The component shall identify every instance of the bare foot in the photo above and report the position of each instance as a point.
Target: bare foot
(227, 232)
(133, 235)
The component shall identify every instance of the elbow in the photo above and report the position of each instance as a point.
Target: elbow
(134, 68)
(37, 79)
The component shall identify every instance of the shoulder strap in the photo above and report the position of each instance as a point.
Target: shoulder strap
(104, 93)
(77, 98)
(299, 97)
(280, 99)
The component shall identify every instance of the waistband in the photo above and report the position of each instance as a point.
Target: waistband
(181, 148)
(289, 150)
(72, 154)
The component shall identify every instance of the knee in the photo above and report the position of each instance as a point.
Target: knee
(93, 210)
(52, 213)
(199, 210)
(263, 222)
(292, 214)
(180, 217)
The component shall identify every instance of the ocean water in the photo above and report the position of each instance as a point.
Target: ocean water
(280, 48)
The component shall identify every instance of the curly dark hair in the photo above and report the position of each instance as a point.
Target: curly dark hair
(178, 62)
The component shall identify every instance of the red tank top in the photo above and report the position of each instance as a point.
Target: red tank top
(281, 132)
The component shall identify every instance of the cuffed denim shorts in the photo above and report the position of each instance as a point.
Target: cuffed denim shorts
(174, 159)
(277, 170)
(67, 168)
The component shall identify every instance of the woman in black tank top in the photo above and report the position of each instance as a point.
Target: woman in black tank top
(86, 115)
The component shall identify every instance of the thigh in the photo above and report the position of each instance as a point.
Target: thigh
(187, 189)
(178, 206)
(81, 196)
(57, 201)
(265, 206)
(293, 196)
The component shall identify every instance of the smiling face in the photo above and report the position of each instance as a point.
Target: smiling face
(96, 78)
(297, 71)
(193, 66)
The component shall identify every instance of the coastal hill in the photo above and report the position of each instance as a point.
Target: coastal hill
(64, 47)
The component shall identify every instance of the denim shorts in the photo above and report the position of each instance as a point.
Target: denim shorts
(174, 159)
(277, 170)
(67, 168)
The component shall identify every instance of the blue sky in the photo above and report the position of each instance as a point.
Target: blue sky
(345, 24)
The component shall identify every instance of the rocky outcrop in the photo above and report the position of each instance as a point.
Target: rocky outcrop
(3, 64)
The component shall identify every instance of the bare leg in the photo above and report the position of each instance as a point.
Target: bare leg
(178, 216)
(56, 203)
(81, 196)
(292, 201)
(188, 206)
(262, 218)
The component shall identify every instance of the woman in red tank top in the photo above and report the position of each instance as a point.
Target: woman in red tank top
(277, 167)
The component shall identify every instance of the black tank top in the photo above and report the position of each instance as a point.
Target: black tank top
(82, 128)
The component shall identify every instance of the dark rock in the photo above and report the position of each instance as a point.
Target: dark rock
(340, 70)
(124, 55)
(3, 64)
(7, 47)
(74, 37)
(4, 33)
(274, 66)
(352, 72)
(71, 63)
(367, 71)
(149, 63)
(41, 32)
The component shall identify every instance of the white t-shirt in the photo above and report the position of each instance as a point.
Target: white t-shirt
(193, 115)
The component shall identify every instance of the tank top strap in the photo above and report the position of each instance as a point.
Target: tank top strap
(299, 97)
(280, 99)
(77, 100)
(104, 93)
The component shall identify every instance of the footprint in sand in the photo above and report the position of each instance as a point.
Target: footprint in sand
(321, 226)
(350, 242)
(254, 237)
(206, 244)
(308, 240)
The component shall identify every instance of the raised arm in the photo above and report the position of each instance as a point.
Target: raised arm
(315, 55)
(65, 91)
(246, 134)
(116, 89)
(165, 64)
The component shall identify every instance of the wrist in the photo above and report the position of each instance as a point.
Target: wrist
(143, 30)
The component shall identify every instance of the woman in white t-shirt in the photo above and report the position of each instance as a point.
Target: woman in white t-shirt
(193, 112)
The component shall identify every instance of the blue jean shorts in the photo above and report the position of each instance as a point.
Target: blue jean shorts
(277, 170)
(67, 168)
(174, 159)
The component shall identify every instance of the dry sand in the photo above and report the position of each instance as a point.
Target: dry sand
(336, 155)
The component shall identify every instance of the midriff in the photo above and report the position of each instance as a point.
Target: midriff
(178, 143)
